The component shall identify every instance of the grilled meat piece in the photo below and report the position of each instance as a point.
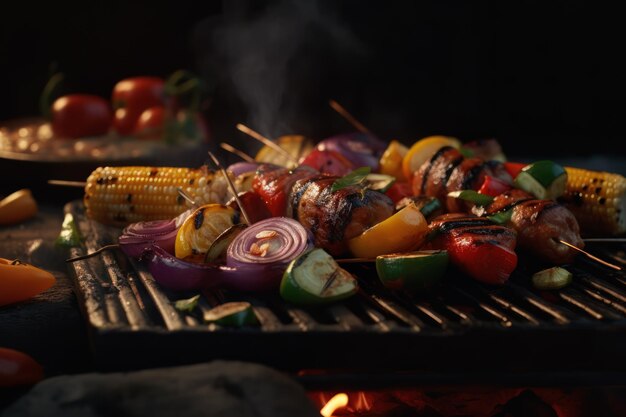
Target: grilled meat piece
(447, 170)
(273, 184)
(335, 217)
(540, 224)
(305, 195)
(433, 175)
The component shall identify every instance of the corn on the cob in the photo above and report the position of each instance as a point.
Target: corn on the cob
(598, 201)
(122, 195)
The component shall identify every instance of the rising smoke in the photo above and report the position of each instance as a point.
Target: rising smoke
(270, 56)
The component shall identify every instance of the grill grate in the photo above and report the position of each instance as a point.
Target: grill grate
(464, 326)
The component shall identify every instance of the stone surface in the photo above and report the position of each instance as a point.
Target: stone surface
(48, 327)
(211, 389)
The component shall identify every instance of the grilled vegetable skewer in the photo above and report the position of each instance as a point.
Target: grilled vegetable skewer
(540, 224)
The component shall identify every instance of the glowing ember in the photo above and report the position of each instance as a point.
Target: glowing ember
(338, 401)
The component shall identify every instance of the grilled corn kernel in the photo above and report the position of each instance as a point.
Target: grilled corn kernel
(598, 201)
(122, 195)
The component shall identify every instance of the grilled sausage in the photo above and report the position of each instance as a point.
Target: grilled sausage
(332, 217)
(540, 224)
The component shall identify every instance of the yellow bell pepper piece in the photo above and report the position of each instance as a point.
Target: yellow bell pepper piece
(391, 160)
(17, 207)
(20, 281)
(403, 232)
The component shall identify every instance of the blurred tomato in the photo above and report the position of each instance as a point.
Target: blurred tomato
(328, 162)
(151, 122)
(79, 115)
(17, 368)
(131, 97)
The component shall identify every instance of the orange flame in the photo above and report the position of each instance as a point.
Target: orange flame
(355, 402)
(338, 401)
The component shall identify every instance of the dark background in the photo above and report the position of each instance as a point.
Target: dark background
(544, 78)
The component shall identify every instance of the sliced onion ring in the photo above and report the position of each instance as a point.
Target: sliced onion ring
(137, 237)
(239, 168)
(178, 275)
(257, 272)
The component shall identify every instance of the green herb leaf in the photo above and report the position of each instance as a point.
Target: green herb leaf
(466, 152)
(355, 177)
(188, 305)
(472, 196)
(69, 236)
(502, 217)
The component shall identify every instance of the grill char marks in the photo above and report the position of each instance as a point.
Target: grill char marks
(448, 171)
(465, 237)
(275, 183)
(431, 178)
(334, 218)
(450, 227)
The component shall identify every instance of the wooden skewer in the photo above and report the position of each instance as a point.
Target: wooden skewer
(354, 260)
(233, 190)
(229, 148)
(256, 135)
(65, 183)
(346, 115)
(590, 256)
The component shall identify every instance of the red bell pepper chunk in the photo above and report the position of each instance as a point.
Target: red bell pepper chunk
(514, 168)
(399, 190)
(493, 186)
(484, 261)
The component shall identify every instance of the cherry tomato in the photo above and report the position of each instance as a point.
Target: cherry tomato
(79, 115)
(328, 162)
(18, 368)
(150, 123)
(131, 97)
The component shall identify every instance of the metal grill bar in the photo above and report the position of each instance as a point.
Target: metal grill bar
(459, 321)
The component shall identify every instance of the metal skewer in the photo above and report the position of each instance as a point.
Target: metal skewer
(229, 148)
(350, 118)
(233, 190)
(94, 253)
(256, 135)
(590, 256)
(605, 240)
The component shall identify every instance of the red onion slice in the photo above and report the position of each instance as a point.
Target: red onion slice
(137, 237)
(239, 168)
(262, 252)
(178, 275)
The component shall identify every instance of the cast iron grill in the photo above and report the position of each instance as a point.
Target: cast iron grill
(463, 328)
